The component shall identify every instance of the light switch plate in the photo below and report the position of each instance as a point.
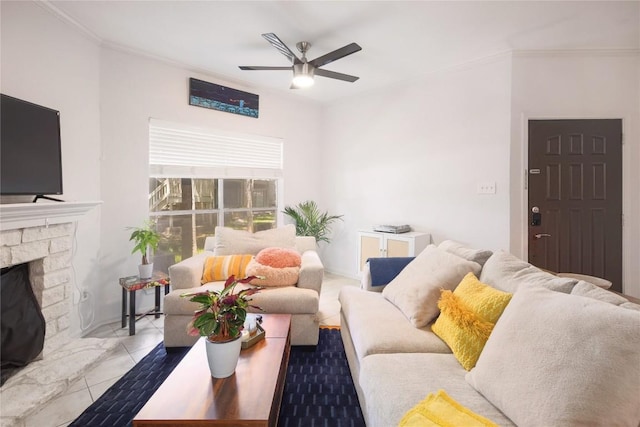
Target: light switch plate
(486, 188)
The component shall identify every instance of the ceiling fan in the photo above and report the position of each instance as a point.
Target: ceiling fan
(304, 70)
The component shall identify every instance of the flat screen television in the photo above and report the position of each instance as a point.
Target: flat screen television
(30, 149)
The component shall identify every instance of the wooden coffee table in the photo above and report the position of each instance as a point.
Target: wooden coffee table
(250, 397)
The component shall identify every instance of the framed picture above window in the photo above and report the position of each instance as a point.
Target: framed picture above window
(222, 98)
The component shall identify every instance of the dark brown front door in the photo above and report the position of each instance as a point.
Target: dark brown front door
(575, 197)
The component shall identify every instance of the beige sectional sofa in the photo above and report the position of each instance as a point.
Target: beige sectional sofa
(301, 300)
(563, 352)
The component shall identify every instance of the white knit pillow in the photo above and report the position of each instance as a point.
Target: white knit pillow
(556, 359)
(230, 242)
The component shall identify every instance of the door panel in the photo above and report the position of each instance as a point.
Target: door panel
(397, 248)
(370, 247)
(575, 181)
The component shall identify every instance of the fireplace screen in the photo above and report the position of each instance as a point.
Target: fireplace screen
(21, 321)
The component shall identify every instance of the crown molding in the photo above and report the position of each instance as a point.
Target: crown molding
(575, 52)
(46, 5)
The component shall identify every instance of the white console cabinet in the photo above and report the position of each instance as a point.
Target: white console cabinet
(376, 244)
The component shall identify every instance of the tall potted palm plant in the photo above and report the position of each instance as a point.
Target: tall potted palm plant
(310, 221)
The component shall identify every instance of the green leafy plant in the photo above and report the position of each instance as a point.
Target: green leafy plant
(146, 240)
(310, 221)
(222, 313)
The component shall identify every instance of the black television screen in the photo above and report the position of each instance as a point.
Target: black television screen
(30, 151)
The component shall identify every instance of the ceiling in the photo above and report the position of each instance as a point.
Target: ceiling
(401, 40)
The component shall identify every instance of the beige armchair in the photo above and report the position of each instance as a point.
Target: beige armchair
(301, 300)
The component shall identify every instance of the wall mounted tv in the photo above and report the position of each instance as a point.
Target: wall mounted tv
(30, 150)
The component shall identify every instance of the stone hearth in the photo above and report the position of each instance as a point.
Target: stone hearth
(41, 234)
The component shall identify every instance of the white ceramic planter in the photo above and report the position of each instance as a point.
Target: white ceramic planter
(223, 357)
(145, 270)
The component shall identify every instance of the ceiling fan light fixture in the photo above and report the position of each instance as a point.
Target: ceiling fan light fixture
(302, 75)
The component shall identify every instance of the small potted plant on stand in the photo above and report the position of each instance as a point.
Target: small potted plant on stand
(220, 319)
(146, 241)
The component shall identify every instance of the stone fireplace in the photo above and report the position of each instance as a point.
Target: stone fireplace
(41, 234)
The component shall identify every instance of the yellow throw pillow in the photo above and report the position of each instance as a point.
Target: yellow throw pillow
(440, 410)
(221, 267)
(467, 317)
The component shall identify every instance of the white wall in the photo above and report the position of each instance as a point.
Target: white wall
(412, 154)
(46, 62)
(570, 85)
(415, 153)
(106, 98)
(134, 89)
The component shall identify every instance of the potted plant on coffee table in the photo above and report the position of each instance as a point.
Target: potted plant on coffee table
(146, 241)
(220, 319)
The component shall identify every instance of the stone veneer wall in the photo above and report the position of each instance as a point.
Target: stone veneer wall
(47, 249)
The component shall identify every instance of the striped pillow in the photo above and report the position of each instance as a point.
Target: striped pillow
(221, 267)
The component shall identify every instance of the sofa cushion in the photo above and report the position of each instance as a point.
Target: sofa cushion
(557, 359)
(590, 290)
(221, 267)
(467, 317)
(534, 277)
(272, 276)
(508, 273)
(228, 241)
(377, 326)
(416, 289)
(394, 383)
(279, 257)
(476, 255)
(288, 299)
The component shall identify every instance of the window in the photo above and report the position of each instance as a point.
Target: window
(200, 179)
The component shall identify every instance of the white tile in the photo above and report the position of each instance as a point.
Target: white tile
(113, 367)
(79, 384)
(98, 390)
(104, 331)
(63, 409)
(331, 321)
(138, 355)
(328, 309)
(158, 323)
(142, 339)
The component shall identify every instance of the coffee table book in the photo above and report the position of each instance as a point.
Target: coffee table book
(250, 397)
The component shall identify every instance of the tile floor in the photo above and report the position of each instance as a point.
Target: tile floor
(67, 407)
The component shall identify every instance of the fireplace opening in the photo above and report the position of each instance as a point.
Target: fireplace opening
(22, 324)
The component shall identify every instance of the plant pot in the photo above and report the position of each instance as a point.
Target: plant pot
(145, 271)
(223, 357)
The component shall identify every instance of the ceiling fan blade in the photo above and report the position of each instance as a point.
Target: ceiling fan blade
(336, 54)
(278, 44)
(334, 75)
(257, 67)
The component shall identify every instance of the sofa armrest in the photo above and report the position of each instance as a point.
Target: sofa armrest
(311, 271)
(188, 273)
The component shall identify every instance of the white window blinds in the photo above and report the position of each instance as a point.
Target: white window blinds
(177, 150)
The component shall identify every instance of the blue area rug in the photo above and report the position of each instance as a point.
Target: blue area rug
(318, 388)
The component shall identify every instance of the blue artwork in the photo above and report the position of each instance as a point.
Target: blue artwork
(221, 98)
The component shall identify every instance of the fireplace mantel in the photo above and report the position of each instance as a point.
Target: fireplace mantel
(22, 215)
